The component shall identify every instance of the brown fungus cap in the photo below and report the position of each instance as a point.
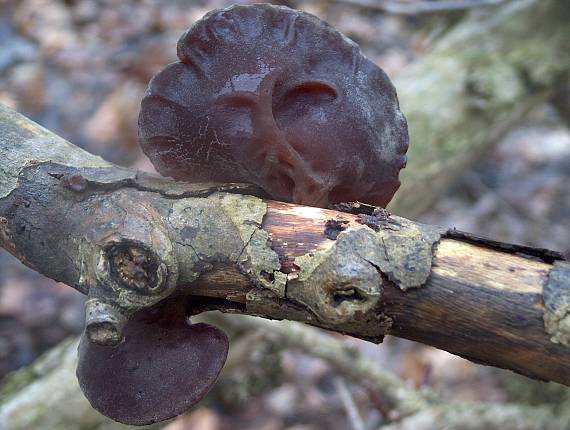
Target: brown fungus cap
(276, 97)
(163, 367)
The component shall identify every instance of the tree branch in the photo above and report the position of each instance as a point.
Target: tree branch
(129, 239)
(482, 416)
(347, 361)
(420, 7)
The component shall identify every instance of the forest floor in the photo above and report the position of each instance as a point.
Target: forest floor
(80, 68)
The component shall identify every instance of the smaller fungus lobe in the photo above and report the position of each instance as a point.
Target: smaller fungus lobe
(163, 367)
(276, 97)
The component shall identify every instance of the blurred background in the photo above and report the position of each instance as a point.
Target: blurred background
(80, 68)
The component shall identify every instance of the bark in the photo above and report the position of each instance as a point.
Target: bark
(363, 274)
(474, 84)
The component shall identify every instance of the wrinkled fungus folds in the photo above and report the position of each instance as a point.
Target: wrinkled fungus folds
(274, 96)
(163, 367)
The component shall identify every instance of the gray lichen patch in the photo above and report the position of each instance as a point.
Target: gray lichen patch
(370, 326)
(226, 228)
(557, 304)
(203, 236)
(25, 143)
(407, 251)
(262, 264)
(258, 260)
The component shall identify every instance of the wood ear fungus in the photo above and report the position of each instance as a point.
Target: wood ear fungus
(261, 94)
(276, 97)
(163, 367)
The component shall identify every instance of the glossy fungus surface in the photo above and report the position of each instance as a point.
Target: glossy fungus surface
(276, 97)
(163, 367)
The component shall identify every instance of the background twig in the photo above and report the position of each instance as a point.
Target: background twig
(420, 7)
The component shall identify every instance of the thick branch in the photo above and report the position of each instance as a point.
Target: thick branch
(129, 240)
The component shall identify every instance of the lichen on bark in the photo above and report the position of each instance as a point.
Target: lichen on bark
(557, 304)
(225, 228)
(407, 251)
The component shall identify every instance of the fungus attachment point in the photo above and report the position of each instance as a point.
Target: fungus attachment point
(276, 97)
(162, 368)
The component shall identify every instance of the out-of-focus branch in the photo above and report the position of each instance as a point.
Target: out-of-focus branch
(473, 86)
(346, 360)
(419, 7)
(561, 102)
(348, 403)
(483, 416)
